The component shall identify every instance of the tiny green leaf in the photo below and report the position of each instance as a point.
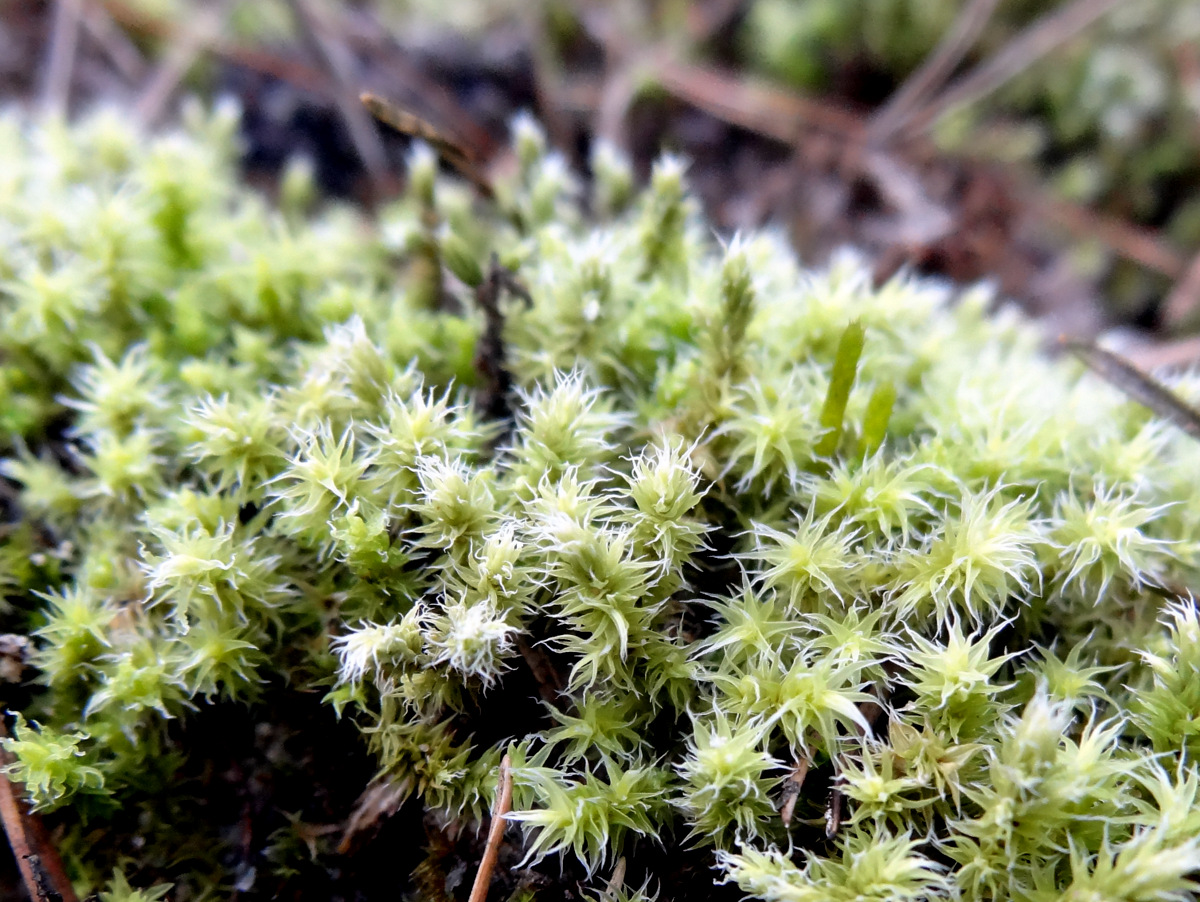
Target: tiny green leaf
(845, 367)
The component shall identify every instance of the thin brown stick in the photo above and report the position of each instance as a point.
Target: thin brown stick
(549, 682)
(333, 58)
(294, 73)
(491, 852)
(64, 42)
(1182, 352)
(964, 31)
(1184, 299)
(833, 812)
(755, 105)
(1026, 48)
(791, 791)
(181, 55)
(113, 42)
(1140, 245)
(408, 123)
(37, 858)
(617, 881)
(408, 83)
(1137, 385)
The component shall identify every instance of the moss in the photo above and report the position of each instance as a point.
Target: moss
(945, 578)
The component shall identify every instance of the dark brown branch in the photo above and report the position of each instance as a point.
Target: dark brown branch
(489, 353)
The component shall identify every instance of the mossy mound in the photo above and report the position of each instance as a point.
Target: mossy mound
(698, 538)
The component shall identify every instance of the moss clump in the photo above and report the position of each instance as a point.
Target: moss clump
(745, 523)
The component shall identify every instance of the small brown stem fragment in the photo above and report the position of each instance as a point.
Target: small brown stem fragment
(448, 146)
(791, 791)
(617, 881)
(833, 814)
(489, 353)
(483, 878)
(1137, 385)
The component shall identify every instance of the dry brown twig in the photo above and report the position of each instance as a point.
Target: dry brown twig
(491, 852)
(1132, 242)
(294, 73)
(1139, 386)
(188, 44)
(964, 31)
(113, 42)
(617, 881)
(1181, 304)
(1027, 47)
(60, 63)
(333, 57)
(1183, 352)
(791, 791)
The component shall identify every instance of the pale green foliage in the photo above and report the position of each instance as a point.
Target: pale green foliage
(871, 866)
(692, 566)
(46, 764)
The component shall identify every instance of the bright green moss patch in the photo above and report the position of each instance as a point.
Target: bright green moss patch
(745, 521)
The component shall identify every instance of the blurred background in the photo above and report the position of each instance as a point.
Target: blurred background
(1053, 147)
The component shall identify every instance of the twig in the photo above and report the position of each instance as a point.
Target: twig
(294, 73)
(489, 352)
(115, 44)
(1028, 46)
(833, 812)
(491, 852)
(38, 860)
(390, 60)
(1137, 385)
(1137, 244)
(64, 41)
(964, 31)
(791, 791)
(617, 94)
(750, 104)
(921, 220)
(706, 21)
(1181, 353)
(379, 801)
(617, 881)
(450, 147)
(333, 58)
(1184, 298)
(549, 683)
(181, 55)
